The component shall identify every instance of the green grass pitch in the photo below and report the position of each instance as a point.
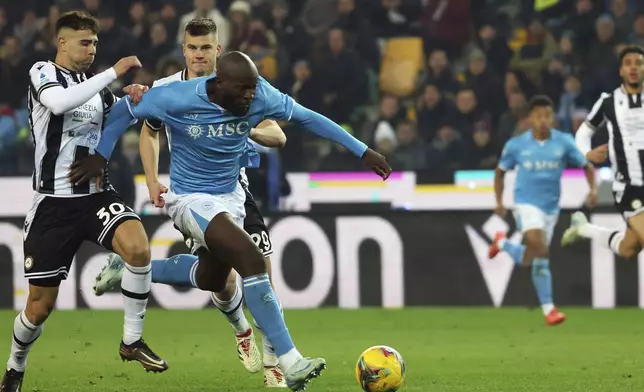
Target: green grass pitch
(446, 349)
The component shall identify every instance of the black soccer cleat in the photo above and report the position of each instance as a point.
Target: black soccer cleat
(12, 381)
(140, 352)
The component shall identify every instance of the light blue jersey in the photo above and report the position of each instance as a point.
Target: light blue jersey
(209, 144)
(540, 166)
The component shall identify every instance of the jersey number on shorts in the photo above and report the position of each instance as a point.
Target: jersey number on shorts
(115, 209)
(262, 241)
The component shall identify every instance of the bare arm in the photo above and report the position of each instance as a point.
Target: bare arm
(589, 170)
(499, 185)
(268, 134)
(149, 149)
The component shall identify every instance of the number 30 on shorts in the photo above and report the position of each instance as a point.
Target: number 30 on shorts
(114, 210)
(262, 241)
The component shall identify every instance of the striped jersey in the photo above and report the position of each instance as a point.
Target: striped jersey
(623, 115)
(157, 125)
(63, 139)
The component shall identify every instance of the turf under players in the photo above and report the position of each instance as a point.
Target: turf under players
(623, 113)
(540, 156)
(67, 109)
(210, 126)
(200, 49)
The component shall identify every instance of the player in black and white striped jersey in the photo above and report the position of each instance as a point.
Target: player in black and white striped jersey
(67, 108)
(622, 111)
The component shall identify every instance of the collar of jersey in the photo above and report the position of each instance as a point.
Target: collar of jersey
(201, 91)
(63, 69)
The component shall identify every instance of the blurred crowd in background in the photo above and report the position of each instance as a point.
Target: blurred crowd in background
(434, 85)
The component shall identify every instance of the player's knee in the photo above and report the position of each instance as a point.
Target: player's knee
(208, 281)
(254, 263)
(136, 253)
(629, 252)
(39, 308)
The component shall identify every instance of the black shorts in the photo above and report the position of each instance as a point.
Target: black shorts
(630, 201)
(57, 226)
(255, 227)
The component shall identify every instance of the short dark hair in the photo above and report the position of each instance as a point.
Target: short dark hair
(201, 26)
(540, 101)
(628, 50)
(77, 20)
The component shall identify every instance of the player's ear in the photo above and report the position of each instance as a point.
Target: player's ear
(218, 49)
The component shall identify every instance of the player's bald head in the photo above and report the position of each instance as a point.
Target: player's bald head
(236, 66)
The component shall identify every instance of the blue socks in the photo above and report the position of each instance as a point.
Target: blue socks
(178, 270)
(542, 280)
(515, 250)
(263, 305)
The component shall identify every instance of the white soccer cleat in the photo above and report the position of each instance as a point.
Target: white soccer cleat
(248, 351)
(304, 370)
(110, 275)
(571, 234)
(274, 377)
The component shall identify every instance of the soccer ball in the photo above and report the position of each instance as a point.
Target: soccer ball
(380, 369)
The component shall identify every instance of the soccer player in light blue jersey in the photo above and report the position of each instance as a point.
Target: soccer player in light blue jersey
(210, 119)
(540, 156)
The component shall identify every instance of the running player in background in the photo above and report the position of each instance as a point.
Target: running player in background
(66, 113)
(210, 127)
(201, 48)
(540, 155)
(623, 113)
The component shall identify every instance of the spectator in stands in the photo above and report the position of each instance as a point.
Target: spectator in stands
(390, 112)
(168, 15)
(392, 18)
(622, 17)
(582, 22)
(239, 15)
(14, 78)
(261, 46)
(345, 80)
(160, 46)
(411, 151)
(92, 7)
(516, 81)
(533, 57)
(306, 89)
(496, 48)
(601, 50)
(569, 56)
(169, 66)
(290, 32)
(354, 22)
(206, 9)
(447, 149)
(509, 123)
(485, 82)
(386, 142)
(440, 74)
(469, 113)
(29, 27)
(569, 103)
(447, 25)
(482, 154)
(5, 28)
(637, 37)
(340, 159)
(137, 24)
(552, 79)
(434, 111)
(118, 35)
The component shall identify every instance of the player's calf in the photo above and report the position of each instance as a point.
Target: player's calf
(131, 243)
(27, 327)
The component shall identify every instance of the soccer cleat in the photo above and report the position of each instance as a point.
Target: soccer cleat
(494, 248)
(248, 351)
(12, 381)
(304, 370)
(140, 352)
(110, 275)
(555, 317)
(571, 234)
(274, 377)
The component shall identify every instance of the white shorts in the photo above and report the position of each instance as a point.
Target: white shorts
(529, 217)
(193, 212)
